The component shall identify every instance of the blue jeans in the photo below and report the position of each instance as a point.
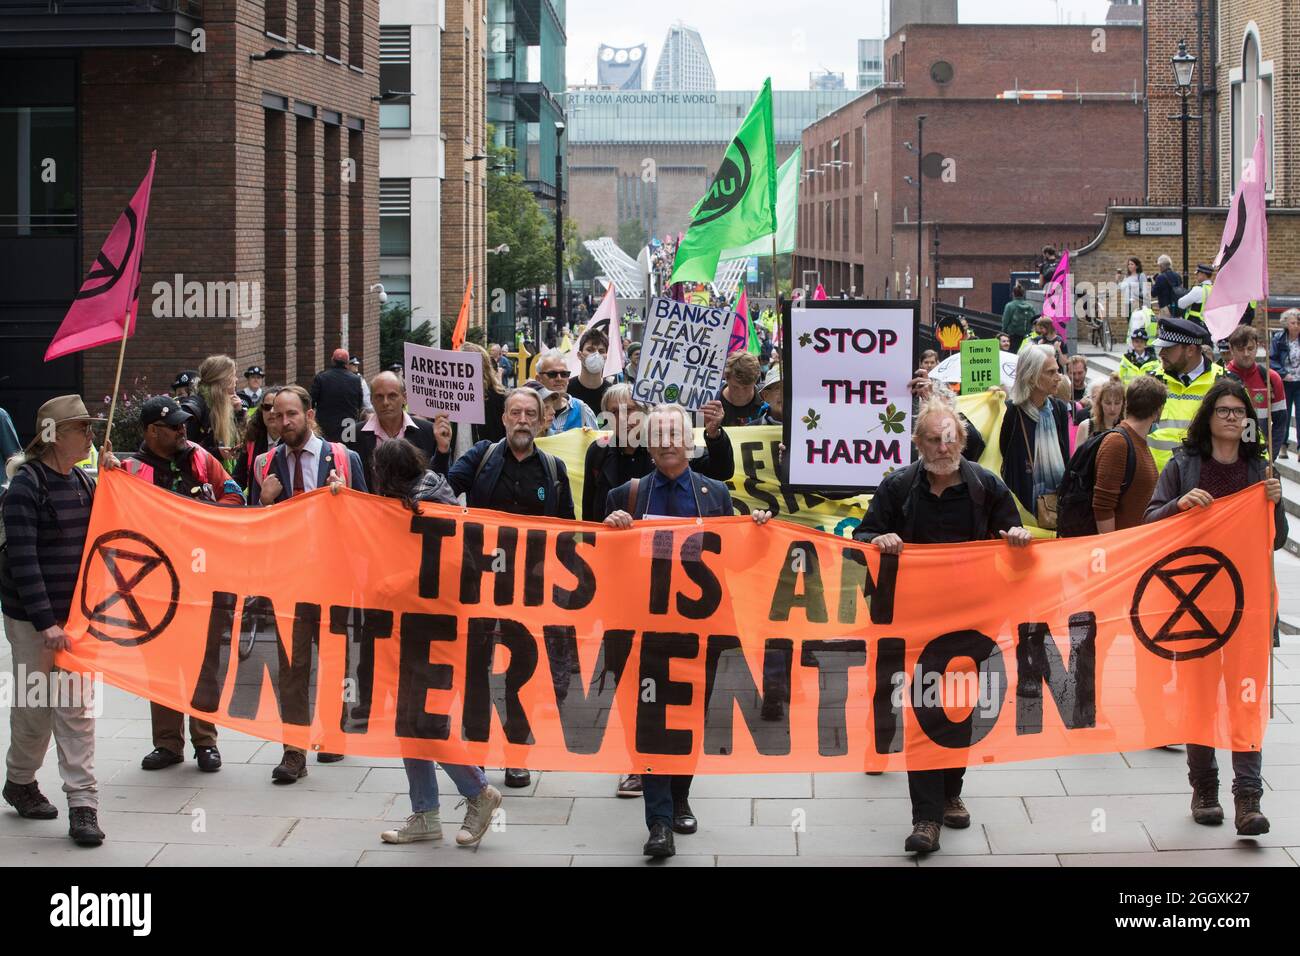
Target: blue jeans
(1246, 768)
(423, 781)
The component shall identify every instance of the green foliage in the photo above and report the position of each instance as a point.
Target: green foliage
(475, 333)
(631, 237)
(395, 329)
(515, 219)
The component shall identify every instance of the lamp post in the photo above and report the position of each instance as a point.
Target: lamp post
(559, 225)
(1184, 65)
(920, 196)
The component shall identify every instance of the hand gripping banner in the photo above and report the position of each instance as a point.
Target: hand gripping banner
(346, 623)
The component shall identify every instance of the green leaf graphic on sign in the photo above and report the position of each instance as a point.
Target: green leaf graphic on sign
(812, 419)
(892, 419)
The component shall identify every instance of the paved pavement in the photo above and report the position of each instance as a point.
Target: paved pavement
(1102, 810)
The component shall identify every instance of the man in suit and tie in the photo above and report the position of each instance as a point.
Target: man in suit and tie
(672, 490)
(302, 462)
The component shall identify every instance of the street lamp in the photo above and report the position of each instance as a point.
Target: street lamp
(559, 224)
(1184, 65)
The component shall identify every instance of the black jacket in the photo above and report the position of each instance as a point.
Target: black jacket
(476, 473)
(336, 395)
(893, 506)
(1015, 453)
(420, 434)
(600, 471)
(1183, 473)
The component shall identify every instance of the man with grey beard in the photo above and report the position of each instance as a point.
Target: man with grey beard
(940, 499)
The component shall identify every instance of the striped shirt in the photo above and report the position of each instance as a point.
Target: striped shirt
(44, 538)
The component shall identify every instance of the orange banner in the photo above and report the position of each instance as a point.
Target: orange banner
(347, 624)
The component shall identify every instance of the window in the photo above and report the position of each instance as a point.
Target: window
(394, 217)
(277, 18)
(39, 195)
(395, 77)
(333, 29)
(356, 35)
(307, 23)
(1252, 95)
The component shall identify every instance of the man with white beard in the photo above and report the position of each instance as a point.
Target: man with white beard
(940, 499)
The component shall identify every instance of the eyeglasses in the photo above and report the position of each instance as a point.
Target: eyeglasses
(1227, 412)
(562, 373)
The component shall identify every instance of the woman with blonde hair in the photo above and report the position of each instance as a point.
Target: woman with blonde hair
(212, 406)
(1107, 410)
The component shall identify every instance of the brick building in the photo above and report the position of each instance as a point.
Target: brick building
(464, 126)
(1030, 132)
(268, 159)
(1248, 62)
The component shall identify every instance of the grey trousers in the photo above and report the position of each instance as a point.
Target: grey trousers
(30, 726)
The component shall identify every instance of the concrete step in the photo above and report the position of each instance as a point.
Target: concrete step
(1287, 571)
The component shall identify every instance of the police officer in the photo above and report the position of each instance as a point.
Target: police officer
(1193, 303)
(1188, 375)
(252, 392)
(1139, 360)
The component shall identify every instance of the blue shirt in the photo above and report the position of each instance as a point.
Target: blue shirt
(671, 496)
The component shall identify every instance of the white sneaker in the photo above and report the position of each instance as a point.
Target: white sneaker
(478, 816)
(418, 826)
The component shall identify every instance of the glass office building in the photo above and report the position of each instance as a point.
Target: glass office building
(609, 117)
(525, 85)
(871, 63)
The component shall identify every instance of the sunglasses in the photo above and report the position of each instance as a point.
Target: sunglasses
(562, 373)
(268, 408)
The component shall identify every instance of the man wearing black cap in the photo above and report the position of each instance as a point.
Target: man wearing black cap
(1187, 375)
(252, 392)
(1193, 303)
(169, 460)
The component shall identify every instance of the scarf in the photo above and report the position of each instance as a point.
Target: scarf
(1049, 466)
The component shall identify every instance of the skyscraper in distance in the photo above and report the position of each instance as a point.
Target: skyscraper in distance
(683, 63)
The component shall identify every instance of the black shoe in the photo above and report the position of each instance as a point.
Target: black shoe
(293, 767)
(683, 819)
(208, 758)
(160, 757)
(324, 757)
(1206, 809)
(517, 778)
(660, 843)
(83, 826)
(28, 800)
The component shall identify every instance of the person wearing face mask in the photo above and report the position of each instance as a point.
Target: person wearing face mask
(591, 384)
(940, 499)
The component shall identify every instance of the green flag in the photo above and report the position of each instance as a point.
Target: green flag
(740, 206)
(787, 214)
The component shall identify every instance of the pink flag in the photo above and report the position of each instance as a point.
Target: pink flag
(607, 315)
(104, 309)
(740, 327)
(1242, 262)
(1057, 298)
(819, 293)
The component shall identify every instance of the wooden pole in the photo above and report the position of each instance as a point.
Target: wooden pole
(1272, 573)
(117, 379)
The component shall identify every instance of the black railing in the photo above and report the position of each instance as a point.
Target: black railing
(81, 7)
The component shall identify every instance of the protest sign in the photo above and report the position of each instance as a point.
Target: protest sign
(979, 365)
(683, 350)
(848, 408)
(654, 648)
(439, 382)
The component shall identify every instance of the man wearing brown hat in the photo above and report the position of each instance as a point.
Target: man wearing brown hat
(169, 460)
(46, 514)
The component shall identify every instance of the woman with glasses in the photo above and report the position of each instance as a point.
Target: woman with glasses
(1219, 457)
(262, 434)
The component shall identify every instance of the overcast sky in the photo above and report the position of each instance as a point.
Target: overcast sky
(748, 40)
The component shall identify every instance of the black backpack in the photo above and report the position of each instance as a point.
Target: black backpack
(1074, 514)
